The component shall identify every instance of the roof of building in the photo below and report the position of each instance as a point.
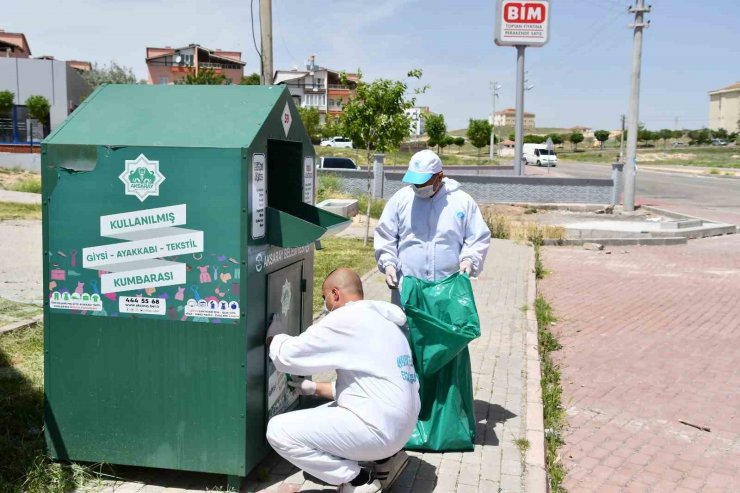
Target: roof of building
(16, 39)
(512, 111)
(225, 55)
(734, 87)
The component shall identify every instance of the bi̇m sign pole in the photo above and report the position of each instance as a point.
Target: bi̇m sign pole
(521, 24)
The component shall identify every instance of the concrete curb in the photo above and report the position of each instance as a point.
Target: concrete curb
(575, 207)
(666, 241)
(536, 473)
(678, 215)
(23, 324)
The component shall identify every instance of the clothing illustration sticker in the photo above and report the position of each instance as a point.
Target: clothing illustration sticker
(308, 167)
(140, 304)
(212, 309)
(76, 301)
(259, 195)
(141, 177)
(137, 263)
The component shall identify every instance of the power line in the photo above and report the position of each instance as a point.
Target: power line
(285, 45)
(254, 40)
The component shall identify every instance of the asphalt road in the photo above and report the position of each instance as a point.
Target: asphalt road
(709, 197)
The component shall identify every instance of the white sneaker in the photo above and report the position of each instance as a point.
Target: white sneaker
(373, 487)
(389, 471)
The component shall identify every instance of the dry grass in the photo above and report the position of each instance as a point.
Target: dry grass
(19, 180)
(508, 227)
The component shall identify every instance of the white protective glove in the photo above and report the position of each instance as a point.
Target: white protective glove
(466, 267)
(276, 326)
(391, 277)
(302, 385)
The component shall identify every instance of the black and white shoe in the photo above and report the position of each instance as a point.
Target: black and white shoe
(389, 470)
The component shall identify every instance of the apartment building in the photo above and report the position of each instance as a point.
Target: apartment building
(507, 118)
(724, 108)
(318, 87)
(168, 65)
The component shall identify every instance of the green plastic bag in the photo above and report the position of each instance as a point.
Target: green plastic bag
(442, 320)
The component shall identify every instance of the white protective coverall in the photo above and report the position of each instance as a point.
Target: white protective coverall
(377, 391)
(428, 238)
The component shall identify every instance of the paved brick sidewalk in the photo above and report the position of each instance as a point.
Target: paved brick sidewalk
(500, 364)
(650, 337)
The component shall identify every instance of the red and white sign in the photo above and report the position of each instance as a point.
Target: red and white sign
(522, 22)
(286, 119)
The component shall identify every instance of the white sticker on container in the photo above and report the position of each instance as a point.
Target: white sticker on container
(259, 195)
(308, 167)
(76, 301)
(142, 305)
(212, 309)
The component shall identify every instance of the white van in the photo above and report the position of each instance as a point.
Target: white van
(539, 155)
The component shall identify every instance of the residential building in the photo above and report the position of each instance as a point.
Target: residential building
(724, 108)
(58, 81)
(14, 45)
(168, 65)
(588, 132)
(507, 118)
(318, 87)
(418, 126)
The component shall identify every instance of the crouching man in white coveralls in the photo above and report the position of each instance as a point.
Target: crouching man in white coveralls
(376, 395)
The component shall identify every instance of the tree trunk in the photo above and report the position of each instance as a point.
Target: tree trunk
(369, 196)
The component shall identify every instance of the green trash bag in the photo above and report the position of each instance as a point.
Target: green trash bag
(442, 320)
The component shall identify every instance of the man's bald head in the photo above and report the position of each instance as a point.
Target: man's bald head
(340, 287)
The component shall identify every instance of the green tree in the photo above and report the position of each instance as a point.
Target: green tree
(250, 80)
(375, 119)
(512, 136)
(38, 109)
(665, 134)
(436, 129)
(534, 139)
(311, 119)
(479, 134)
(6, 102)
(677, 134)
(204, 77)
(111, 74)
(459, 142)
(575, 138)
(330, 128)
(602, 136)
(557, 139)
(699, 137)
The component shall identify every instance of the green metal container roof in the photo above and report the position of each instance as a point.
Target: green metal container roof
(169, 116)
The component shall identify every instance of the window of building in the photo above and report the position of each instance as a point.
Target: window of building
(164, 80)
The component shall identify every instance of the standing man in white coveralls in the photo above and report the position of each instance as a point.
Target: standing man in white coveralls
(430, 229)
(376, 395)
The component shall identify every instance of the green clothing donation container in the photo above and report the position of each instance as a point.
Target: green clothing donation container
(176, 219)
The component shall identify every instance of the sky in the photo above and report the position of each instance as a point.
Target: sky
(581, 77)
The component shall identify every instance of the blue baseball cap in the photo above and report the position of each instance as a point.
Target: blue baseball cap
(422, 166)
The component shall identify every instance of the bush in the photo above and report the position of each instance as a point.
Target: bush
(500, 226)
(38, 107)
(6, 102)
(328, 185)
(376, 207)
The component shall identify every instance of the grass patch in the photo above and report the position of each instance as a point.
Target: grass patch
(539, 267)
(339, 252)
(14, 210)
(522, 444)
(551, 395)
(30, 184)
(11, 311)
(504, 227)
(25, 466)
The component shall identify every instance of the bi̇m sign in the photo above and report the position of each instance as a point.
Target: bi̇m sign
(522, 23)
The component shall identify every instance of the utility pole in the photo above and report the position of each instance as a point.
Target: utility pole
(266, 41)
(621, 143)
(495, 86)
(630, 167)
(519, 122)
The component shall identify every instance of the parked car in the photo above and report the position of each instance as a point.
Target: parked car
(336, 163)
(339, 142)
(679, 144)
(719, 142)
(539, 155)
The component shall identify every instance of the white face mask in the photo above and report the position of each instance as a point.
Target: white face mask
(424, 192)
